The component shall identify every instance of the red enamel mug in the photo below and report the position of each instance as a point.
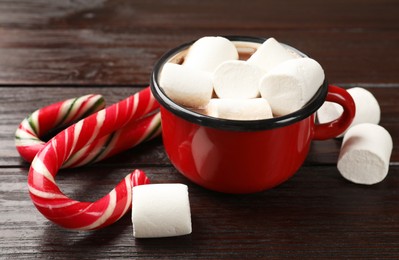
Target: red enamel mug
(235, 156)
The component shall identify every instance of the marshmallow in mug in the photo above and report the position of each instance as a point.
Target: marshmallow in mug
(240, 109)
(161, 210)
(186, 86)
(237, 79)
(365, 153)
(270, 54)
(287, 87)
(367, 109)
(291, 84)
(240, 79)
(208, 52)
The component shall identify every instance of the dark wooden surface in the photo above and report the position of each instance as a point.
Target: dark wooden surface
(51, 50)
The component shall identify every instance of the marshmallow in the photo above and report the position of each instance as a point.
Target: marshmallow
(186, 86)
(208, 52)
(365, 153)
(270, 54)
(367, 109)
(237, 79)
(160, 210)
(240, 109)
(290, 85)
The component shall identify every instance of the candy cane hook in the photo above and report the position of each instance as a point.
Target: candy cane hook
(132, 118)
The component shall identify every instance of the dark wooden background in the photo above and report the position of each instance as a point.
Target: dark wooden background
(52, 50)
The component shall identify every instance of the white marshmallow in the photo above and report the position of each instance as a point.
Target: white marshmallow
(270, 54)
(365, 153)
(367, 109)
(290, 85)
(161, 210)
(237, 79)
(208, 52)
(186, 86)
(240, 109)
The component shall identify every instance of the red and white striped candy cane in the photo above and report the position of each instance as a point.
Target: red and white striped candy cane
(134, 133)
(55, 116)
(130, 118)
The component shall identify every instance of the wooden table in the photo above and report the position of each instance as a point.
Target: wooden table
(53, 50)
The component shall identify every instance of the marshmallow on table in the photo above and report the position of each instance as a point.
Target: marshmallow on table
(237, 79)
(160, 210)
(365, 153)
(240, 109)
(270, 54)
(291, 84)
(186, 86)
(367, 108)
(208, 52)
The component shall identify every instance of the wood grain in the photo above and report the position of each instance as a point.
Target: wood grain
(118, 42)
(123, 14)
(53, 50)
(304, 217)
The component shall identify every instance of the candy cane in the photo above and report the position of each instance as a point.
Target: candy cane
(55, 116)
(129, 118)
(129, 136)
(28, 135)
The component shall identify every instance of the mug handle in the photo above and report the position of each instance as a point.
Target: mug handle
(336, 127)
